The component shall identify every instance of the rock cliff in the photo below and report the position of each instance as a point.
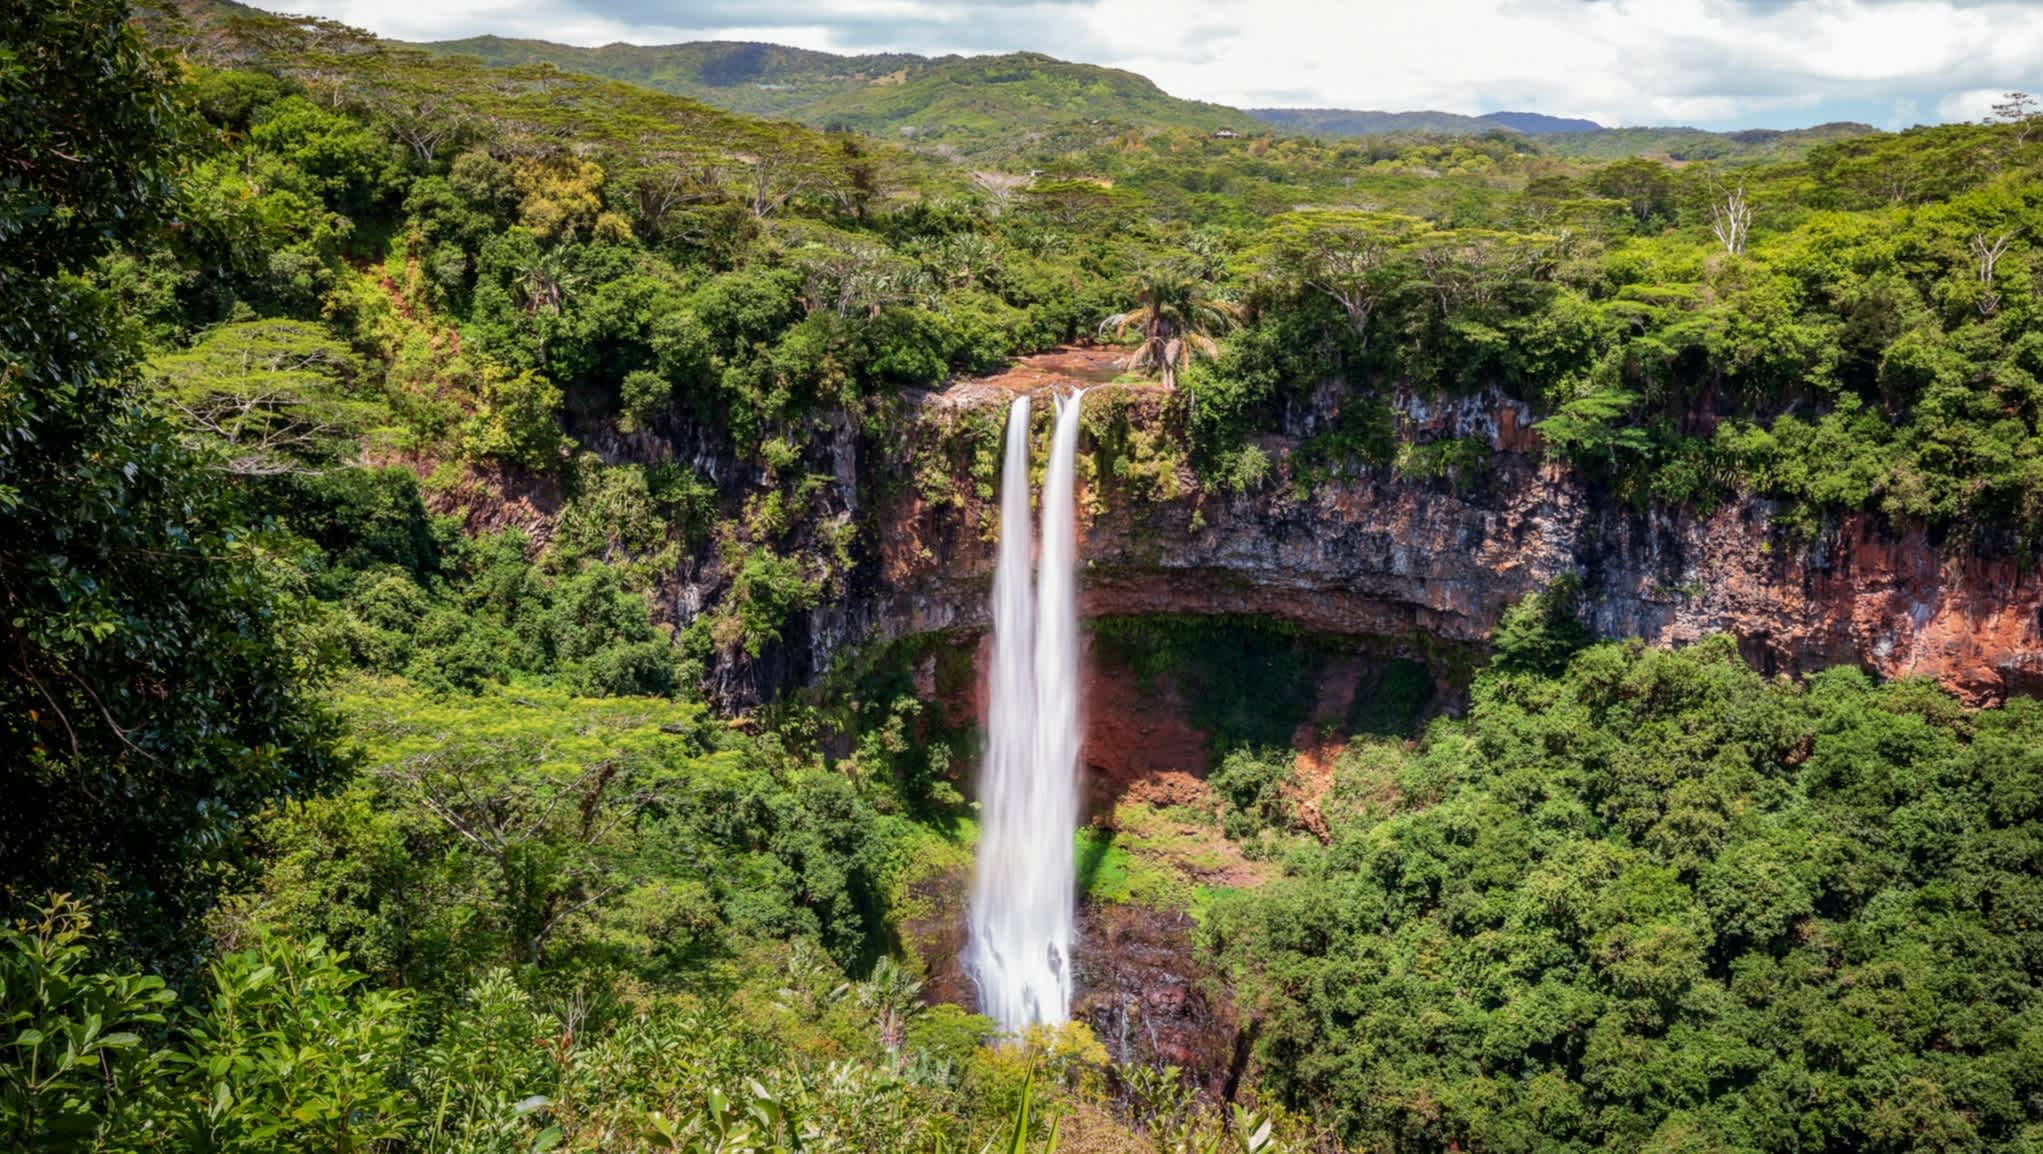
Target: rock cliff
(1429, 561)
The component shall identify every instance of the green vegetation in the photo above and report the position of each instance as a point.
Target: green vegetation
(1249, 683)
(1650, 900)
(155, 690)
(1248, 783)
(426, 489)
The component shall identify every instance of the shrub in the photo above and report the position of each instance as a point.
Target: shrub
(630, 669)
(1249, 784)
(643, 396)
(515, 419)
(76, 1072)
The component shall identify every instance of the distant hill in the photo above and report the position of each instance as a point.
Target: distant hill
(1570, 136)
(1365, 122)
(1368, 122)
(761, 79)
(1688, 144)
(1539, 123)
(1011, 103)
(968, 103)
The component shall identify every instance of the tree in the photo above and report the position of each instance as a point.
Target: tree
(414, 97)
(1988, 254)
(664, 181)
(1175, 315)
(546, 280)
(86, 131)
(1646, 187)
(2018, 109)
(856, 280)
(266, 397)
(1351, 257)
(1731, 220)
(780, 166)
(1474, 268)
(545, 836)
(892, 997)
(155, 691)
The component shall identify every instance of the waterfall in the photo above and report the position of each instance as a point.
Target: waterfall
(1022, 891)
(1055, 781)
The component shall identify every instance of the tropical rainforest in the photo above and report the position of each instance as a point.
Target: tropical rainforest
(425, 503)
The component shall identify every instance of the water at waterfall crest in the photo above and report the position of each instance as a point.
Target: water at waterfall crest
(1022, 893)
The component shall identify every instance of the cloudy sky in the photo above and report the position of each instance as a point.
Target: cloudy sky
(1714, 63)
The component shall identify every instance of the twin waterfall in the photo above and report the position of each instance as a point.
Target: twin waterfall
(1022, 893)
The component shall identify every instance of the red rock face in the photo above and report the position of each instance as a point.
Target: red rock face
(1139, 743)
(1897, 604)
(489, 497)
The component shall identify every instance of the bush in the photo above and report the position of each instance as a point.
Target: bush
(516, 420)
(77, 1074)
(289, 1055)
(769, 589)
(454, 651)
(1541, 632)
(1249, 784)
(642, 398)
(1243, 470)
(908, 346)
(630, 669)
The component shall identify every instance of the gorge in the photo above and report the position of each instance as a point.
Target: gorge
(545, 614)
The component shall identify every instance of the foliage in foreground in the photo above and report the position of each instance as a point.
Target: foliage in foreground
(155, 689)
(285, 1048)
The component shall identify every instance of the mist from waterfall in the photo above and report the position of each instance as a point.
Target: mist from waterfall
(1023, 890)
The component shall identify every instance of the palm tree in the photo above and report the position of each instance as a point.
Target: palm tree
(893, 997)
(1177, 317)
(546, 281)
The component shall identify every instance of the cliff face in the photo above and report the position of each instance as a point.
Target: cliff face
(1428, 561)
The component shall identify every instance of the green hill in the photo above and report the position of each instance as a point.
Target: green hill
(971, 104)
(1697, 144)
(762, 79)
(1570, 137)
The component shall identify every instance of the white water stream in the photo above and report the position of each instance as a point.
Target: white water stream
(1022, 892)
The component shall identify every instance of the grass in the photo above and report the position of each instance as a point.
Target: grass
(1161, 858)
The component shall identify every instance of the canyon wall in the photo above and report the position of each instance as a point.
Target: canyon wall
(1422, 562)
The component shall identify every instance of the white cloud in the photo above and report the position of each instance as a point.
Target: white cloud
(1971, 104)
(1617, 61)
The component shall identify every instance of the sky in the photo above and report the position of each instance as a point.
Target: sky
(1711, 63)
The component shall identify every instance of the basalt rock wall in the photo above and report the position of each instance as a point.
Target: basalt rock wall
(1423, 561)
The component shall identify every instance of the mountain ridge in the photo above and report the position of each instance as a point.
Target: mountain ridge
(972, 104)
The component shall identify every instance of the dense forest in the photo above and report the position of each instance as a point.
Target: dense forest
(348, 812)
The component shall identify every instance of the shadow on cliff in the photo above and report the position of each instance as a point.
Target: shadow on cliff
(1092, 855)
